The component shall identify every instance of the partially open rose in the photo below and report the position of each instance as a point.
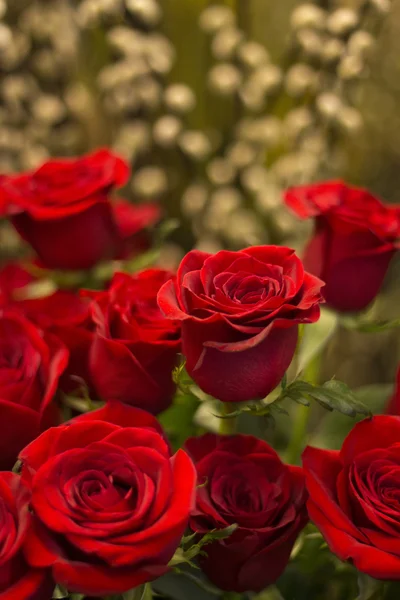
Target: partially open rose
(135, 348)
(31, 364)
(243, 482)
(18, 581)
(240, 313)
(354, 240)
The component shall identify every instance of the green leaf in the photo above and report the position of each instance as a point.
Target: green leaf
(334, 427)
(369, 589)
(178, 420)
(332, 395)
(142, 592)
(17, 467)
(165, 230)
(185, 584)
(60, 592)
(182, 556)
(143, 261)
(358, 324)
(315, 337)
(272, 593)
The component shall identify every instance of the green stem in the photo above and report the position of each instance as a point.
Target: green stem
(299, 434)
(228, 425)
(302, 415)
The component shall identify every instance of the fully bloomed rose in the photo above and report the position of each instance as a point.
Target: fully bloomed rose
(31, 363)
(63, 209)
(354, 239)
(243, 481)
(135, 347)
(240, 313)
(110, 504)
(354, 496)
(18, 581)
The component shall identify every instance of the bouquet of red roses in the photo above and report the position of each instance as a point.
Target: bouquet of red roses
(137, 404)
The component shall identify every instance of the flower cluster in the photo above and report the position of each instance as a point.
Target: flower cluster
(98, 502)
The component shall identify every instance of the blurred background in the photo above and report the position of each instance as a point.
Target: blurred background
(218, 106)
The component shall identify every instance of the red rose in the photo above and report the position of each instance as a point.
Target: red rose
(18, 581)
(135, 347)
(354, 496)
(13, 278)
(110, 503)
(394, 403)
(31, 363)
(134, 222)
(245, 483)
(240, 313)
(354, 240)
(66, 314)
(63, 211)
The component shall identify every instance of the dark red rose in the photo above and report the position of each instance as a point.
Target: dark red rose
(240, 313)
(245, 483)
(135, 347)
(63, 210)
(13, 279)
(66, 315)
(18, 581)
(394, 402)
(134, 222)
(110, 504)
(354, 240)
(354, 496)
(31, 363)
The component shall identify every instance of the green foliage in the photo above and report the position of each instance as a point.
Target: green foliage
(366, 326)
(177, 421)
(333, 427)
(187, 555)
(332, 395)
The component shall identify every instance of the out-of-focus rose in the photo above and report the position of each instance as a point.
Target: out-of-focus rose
(31, 363)
(135, 347)
(110, 504)
(354, 239)
(134, 222)
(63, 209)
(66, 314)
(13, 278)
(354, 496)
(243, 482)
(18, 581)
(240, 313)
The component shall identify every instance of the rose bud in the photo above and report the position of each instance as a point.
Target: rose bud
(355, 237)
(242, 481)
(31, 363)
(135, 348)
(240, 313)
(109, 502)
(18, 581)
(354, 496)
